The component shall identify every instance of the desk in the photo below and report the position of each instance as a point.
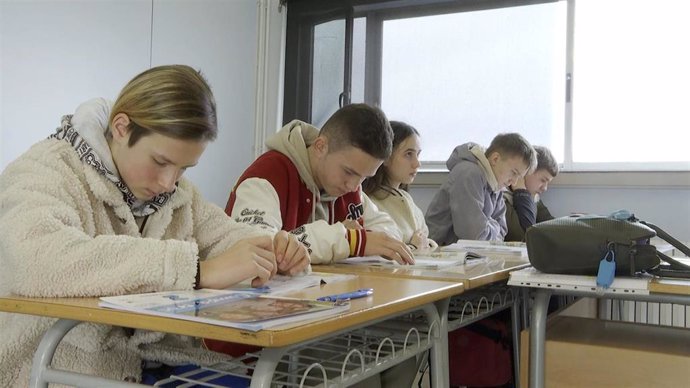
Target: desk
(660, 290)
(392, 297)
(476, 275)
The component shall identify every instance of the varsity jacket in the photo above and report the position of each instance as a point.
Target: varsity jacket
(278, 191)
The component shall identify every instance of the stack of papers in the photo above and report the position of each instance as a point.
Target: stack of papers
(242, 310)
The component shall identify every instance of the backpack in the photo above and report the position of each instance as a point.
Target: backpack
(588, 244)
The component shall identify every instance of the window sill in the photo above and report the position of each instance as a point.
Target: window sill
(623, 179)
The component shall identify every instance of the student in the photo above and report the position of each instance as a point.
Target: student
(469, 204)
(388, 188)
(524, 208)
(309, 181)
(101, 208)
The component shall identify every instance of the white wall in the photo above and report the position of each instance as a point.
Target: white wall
(55, 54)
(664, 207)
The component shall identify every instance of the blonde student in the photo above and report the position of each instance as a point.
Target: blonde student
(388, 188)
(101, 208)
(469, 205)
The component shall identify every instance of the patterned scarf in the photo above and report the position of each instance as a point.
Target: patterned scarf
(87, 155)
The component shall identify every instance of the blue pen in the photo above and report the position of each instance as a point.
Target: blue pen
(362, 293)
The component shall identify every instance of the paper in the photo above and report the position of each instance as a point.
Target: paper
(242, 310)
(531, 277)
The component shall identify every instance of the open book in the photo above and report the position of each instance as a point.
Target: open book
(242, 310)
(489, 248)
(432, 260)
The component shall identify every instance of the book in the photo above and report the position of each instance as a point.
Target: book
(489, 248)
(432, 260)
(241, 310)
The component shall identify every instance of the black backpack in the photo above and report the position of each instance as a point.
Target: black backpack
(577, 244)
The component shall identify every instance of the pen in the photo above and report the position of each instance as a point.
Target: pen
(361, 293)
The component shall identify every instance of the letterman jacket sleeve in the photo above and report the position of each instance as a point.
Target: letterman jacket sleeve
(257, 202)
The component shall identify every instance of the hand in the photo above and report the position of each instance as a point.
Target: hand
(380, 243)
(352, 224)
(419, 240)
(519, 184)
(249, 258)
(292, 256)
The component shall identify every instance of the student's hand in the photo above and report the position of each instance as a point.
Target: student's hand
(519, 184)
(352, 224)
(249, 258)
(419, 240)
(380, 243)
(292, 256)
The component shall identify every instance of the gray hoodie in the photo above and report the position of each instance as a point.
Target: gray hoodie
(469, 205)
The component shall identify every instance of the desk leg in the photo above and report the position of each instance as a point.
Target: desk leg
(515, 318)
(537, 338)
(439, 351)
(266, 367)
(46, 350)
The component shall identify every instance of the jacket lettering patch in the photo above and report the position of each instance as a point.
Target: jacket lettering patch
(302, 237)
(252, 217)
(355, 211)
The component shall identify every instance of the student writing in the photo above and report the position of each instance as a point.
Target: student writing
(101, 208)
(309, 183)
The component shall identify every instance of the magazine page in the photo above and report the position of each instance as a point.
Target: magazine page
(243, 310)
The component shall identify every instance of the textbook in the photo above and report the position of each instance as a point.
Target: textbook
(531, 277)
(241, 310)
(432, 260)
(489, 248)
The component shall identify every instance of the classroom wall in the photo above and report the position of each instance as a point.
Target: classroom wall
(56, 54)
(668, 208)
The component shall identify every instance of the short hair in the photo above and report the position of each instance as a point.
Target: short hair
(362, 126)
(401, 131)
(510, 145)
(172, 100)
(546, 161)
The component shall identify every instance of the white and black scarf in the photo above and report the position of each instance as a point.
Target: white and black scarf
(88, 155)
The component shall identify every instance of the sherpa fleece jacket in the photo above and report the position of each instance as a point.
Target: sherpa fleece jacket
(407, 216)
(66, 231)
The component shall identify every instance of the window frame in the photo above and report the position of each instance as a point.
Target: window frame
(304, 14)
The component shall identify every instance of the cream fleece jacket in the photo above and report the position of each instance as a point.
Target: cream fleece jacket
(407, 216)
(67, 232)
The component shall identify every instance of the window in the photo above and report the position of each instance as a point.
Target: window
(592, 80)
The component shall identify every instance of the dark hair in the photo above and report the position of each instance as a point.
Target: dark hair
(546, 161)
(510, 145)
(401, 131)
(172, 100)
(362, 126)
